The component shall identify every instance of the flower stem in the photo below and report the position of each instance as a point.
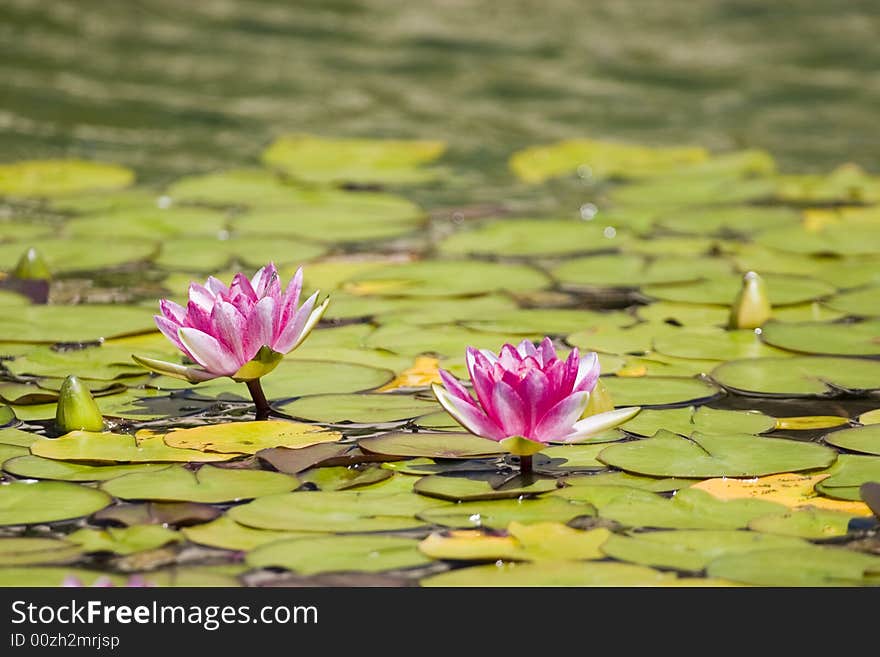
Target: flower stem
(525, 464)
(259, 397)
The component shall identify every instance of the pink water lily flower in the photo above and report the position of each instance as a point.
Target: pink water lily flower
(527, 392)
(241, 331)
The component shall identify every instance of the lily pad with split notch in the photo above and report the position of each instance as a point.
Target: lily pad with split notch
(782, 290)
(714, 344)
(345, 478)
(193, 254)
(87, 446)
(482, 486)
(181, 514)
(863, 302)
(498, 514)
(431, 445)
(631, 270)
(359, 409)
(825, 338)
(37, 467)
(76, 323)
(226, 534)
(249, 437)
(659, 390)
(209, 485)
(848, 474)
(28, 503)
(715, 455)
(704, 419)
(800, 376)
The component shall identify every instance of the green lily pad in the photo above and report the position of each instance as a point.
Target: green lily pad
(467, 489)
(652, 484)
(60, 177)
(317, 159)
(37, 467)
(226, 534)
(547, 321)
(864, 302)
(798, 377)
(687, 509)
(448, 341)
(685, 314)
(714, 344)
(578, 456)
(28, 503)
(596, 159)
(706, 420)
(832, 339)
(623, 270)
(235, 187)
(498, 514)
(79, 323)
(209, 484)
(335, 511)
(782, 290)
(9, 452)
(331, 215)
(858, 439)
(249, 437)
(746, 220)
(447, 278)
(195, 254)
(32, 550)
(848, 474)
(635, 339)
(691, 550)
(551, 573)
(370, 554)
(530, 237)
(807, 522)
(846, 238)
(432, 445)
(720, 455)
(806, 566)
(81, 255)
(13, 436)
(360, 409)
(54, 576)
(121, 448)
(104, 362)
(847, 183)
(156, 513)
(345, 478)
(124, 540)
(295, 378)
(658, 390)
(149, 223)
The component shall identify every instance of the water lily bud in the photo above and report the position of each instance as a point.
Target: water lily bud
(31, 266)
(600, 400)
(77, 410)
(751, 308)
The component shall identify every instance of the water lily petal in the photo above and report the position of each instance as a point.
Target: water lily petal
(216, 287)
(263, 279)
(509, 357)
(258, 327)
(455, 388)
(208, 352)
(601, 422)
(169, 329)
(287, 308)
(588, 372)
(507, 410)
(173, 311)
(470, 417)
(201, 296)
(191, 374)
(547, 351)
(311, 322)
(527, 348)
(241, 287)
(560, 419)
(229, 327)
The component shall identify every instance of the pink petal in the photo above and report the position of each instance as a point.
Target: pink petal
(547, 351)
(488, 355)
(216, 287)
(470, 417)
(588, 372)
(455, 388)
(199, 318)
(312, 321)
(241, 286)
(569, 371)
(228, 326)
(201, 297)
(535, 394)
(507, 411)
(208, 352)
(559, 420)
(263, 279)
(173, 311)
(601, 422)
(527, 348)
(287, 307)
(483, 384)
(169, 329)
(258, 327)
(509, 357)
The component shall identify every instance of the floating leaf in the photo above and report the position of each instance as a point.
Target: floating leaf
(719, 455)
(196, 254)
(361, 409)
(293, 461)
(339, 553)
(706, 420)
(653, 484)
(624, 270)
(805, 522)
(572, 457)
(792, 490)
(471, 545)
(227, 534)
(499, 514)
(48, 576)
(599, 159)
(555, 541)
(863, 302)
(83, 255)
(59, 177)
(149, 223)
(871, 417)
(80, 323)
(126, 540)
(249, 437)
(362, 161)
(28, 503)
(530, 237)
(552, 573)
(848, 474)
(13, 436)
(345, 478)
(157, 513)
(847, 238)
(464, 489)
(36, 467)
(858, 439)
(833, 339)
(691, 550)
(114, 447)
(782, 290)
(799, 376)
(714, 344)
(433, 445)
(9, 452)
(806, 566)
(209, 485)
(234, 187)
(810, 422)
(33, 550)
(746, 220)
(335, 511)
(658, 390)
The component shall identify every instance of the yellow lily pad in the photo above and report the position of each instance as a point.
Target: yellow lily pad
(249, 437)
(806, 422)
(423, 373)
(117, 447)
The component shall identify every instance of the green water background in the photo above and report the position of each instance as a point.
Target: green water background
(171, 87)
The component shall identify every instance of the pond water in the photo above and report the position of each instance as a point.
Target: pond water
(451, 174)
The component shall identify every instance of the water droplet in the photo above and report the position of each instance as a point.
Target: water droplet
(499, 564)
(610, 232)
(758, 331)
(476, 519)
(584, 171)
(164, 202)
(588, 211)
